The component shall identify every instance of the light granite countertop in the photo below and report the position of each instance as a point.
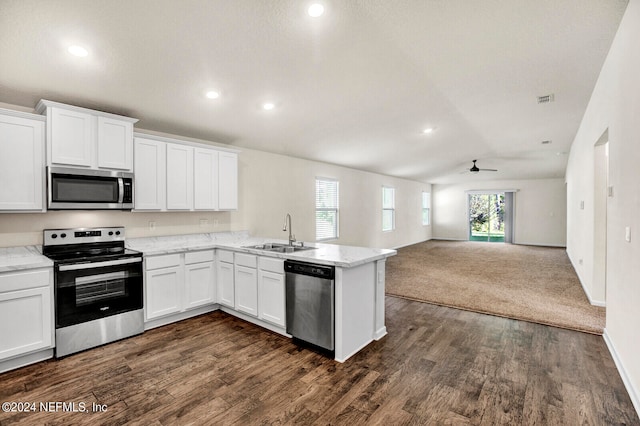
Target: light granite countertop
(31, 257)
(20, 258)
(325, 254)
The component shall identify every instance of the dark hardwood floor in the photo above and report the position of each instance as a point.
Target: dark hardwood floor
(436, 366)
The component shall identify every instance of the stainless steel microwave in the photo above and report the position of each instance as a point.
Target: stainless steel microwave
(79, 189)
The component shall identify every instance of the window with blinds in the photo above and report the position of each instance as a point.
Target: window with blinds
(426, 208)
(326, 209)
(388, 209)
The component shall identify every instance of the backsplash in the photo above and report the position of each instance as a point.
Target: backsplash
(26, 228)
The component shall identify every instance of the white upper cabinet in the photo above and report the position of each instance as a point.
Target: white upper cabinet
(150, 174)
(228, 193)
(205, 182)
(72, 135)
(82, 137)
(175, 175)
(179, 177)
(115, 144)
(21, 161)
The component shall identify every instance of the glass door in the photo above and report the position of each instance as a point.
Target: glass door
(487, 217)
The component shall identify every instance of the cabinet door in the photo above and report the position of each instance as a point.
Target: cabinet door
(72, 137)
(21, 163)
(200, 284)
(150, 175)
(271, 298)
(226, 293)
(25, 321)
(115, 144)
(163, 292)
(205, 182)
(228, 177)
(246, 290)
(179, 177)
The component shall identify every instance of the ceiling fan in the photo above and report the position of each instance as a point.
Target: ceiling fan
(475, 169)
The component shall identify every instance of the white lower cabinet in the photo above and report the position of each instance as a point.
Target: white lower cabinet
(271, 291)
(226, 282)
(199, 278)
(178, 282)
(26, 312)
(245, 283)
(246, 290)
(271, 295)
(164, 291)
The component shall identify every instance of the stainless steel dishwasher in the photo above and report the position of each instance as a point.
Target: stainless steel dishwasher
(310, 291)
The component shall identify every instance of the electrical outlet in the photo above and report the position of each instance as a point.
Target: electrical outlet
(610, 191)
(627, 234)
(581, 205)
(152, 225)
(215, 223)
(204, 222)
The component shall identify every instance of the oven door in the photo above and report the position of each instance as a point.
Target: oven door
(89, 291)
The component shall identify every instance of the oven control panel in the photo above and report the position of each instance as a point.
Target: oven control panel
(82, 235)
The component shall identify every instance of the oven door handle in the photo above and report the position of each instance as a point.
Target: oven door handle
(92, 265)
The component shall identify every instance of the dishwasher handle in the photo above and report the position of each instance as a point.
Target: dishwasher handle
(310, 269)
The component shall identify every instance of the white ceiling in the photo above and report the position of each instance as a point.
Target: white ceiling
(355, 87)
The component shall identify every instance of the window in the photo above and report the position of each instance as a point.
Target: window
(388, 209)
(326, 209)
(426, 208)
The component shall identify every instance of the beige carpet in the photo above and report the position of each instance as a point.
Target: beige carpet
(528, 283)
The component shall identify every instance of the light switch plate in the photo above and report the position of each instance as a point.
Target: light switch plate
(627, 234)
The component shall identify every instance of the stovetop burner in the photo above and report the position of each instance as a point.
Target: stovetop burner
(85, 244)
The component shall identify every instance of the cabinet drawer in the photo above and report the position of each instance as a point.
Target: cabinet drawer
(164, 261)
(24, 280)
(248, 260)
(225, 256)
(272, 265)
(198, 256)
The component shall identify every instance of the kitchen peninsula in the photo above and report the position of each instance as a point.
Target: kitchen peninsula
(175, 264)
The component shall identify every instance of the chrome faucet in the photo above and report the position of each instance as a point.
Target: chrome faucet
(292, 238)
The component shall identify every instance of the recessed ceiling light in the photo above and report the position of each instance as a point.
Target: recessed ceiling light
(315, 10)
(212, 94)
(78, 51)
(268, 106)
(428, 130)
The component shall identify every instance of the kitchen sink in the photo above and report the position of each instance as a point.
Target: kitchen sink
(280, 248)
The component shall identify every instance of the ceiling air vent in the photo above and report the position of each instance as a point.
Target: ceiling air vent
(545, 99)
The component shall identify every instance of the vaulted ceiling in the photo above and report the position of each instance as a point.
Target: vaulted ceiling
(356, 86)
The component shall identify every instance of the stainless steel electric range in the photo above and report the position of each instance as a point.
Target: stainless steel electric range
(98, 287)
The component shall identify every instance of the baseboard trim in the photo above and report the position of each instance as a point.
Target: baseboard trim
(600, 303)
(519, 243)
(633, 393)
(410, 244)
(24, 360)
(162, 321)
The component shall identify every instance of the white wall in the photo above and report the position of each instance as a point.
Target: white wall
(540, 210)
(269, 187)
(615, 106)
(274, 185)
